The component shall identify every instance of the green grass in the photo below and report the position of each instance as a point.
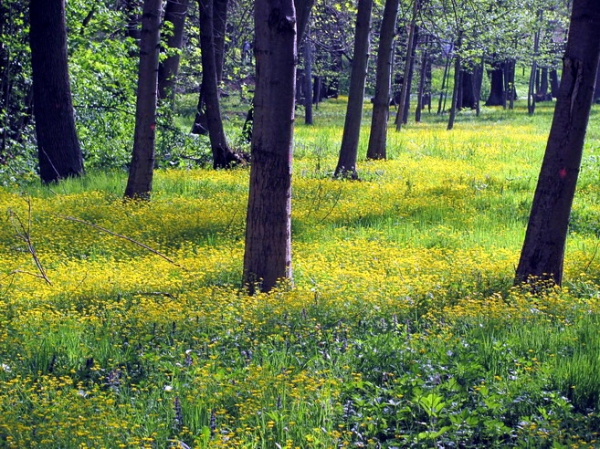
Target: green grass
(403, 328)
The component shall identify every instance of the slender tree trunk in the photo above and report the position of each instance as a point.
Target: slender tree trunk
(411, 73)
(422, 79)
(175, 13)
(512, 95)
(308, 112)
(346, 166)
(478, 83)
(303, 8)
(219, 24)
(139, 183)
(443, 90)
(543, 250)
(555, 83)
(59, 152)
(268, 257)
(405, 91)
(381, 101)
(223, 156)
(457, 82)
(534, 68)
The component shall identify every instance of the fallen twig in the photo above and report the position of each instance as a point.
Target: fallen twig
(121, 236)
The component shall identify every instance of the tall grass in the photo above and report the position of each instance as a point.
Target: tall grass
(402, 329)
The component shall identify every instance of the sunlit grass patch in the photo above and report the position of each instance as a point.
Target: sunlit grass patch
(402, 329)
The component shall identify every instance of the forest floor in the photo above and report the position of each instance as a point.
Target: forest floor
(122, 324)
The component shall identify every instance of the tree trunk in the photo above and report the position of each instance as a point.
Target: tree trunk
(267, 257)
(219, 23)
(223, 156)
(308, 112)
(443, 90)
(496, 96)
(543, 250)
(457, 82)
(512, 91)
(139, 183)
(59, 152)
(531, 100)
(381, 101)
(422, 79)
(555, 83)
(467, 91)
(303, 8)
(346, 166)
(175, 14)
(405, 91)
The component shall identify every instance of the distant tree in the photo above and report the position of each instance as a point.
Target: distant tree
(346, 166)
(543, 250)
(175, 14)
(139, 183)
(381, 100)
(267, 256)
(59, 153)
(408, 64)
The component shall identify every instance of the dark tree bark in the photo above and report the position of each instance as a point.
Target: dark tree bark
(267, 257)
(411, 73)
(542, 93)
(139, 183)
(175, 13)
(308, 55)
(457, 82)
(555, 83)
(467, 91)
(223, 156)
(381, 101)
(531, 100)
(496, 96)
(346, 166)
(219, 24)
(59, 152)
(444, 89)
(303, 9)
(543, 250)
(405, 91)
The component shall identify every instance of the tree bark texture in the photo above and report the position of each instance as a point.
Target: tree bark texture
(383, 78)
(496, 96)
(346, 166)
(139, 183)
(544, 246)
(303, 8)
(175, 13)
(457, 83)
(268, 256)
(223, 156)
(59, 152)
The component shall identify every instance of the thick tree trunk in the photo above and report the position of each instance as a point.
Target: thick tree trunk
(267, 257)
(139, 183)
(467, 91)
(405, 91)
(59, 152)
(543, 250)
(496, 96)
(346, 166)
(381, 101)
(175, 13)
(223, 156)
